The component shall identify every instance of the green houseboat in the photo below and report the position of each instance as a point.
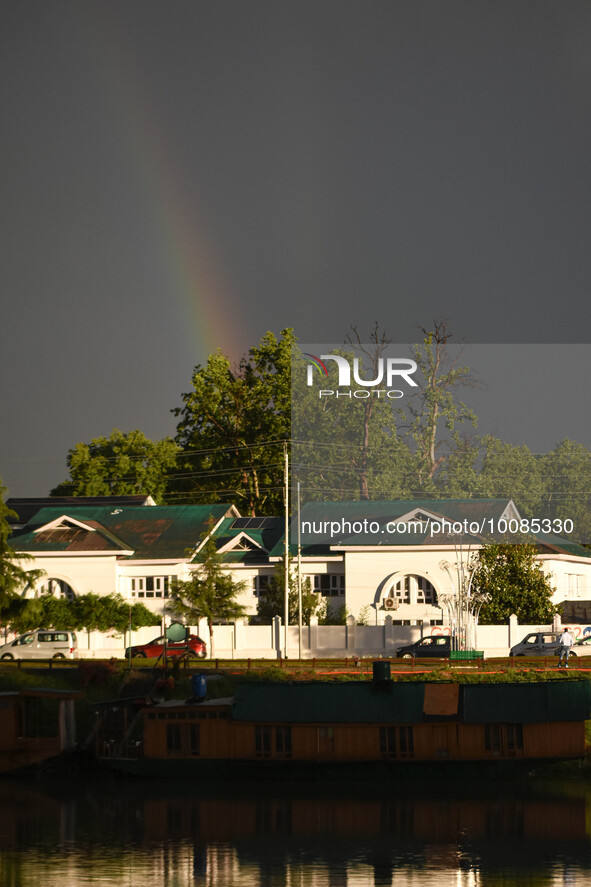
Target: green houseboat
(326, 729)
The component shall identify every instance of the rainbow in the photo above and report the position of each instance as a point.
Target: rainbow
(316, 362)
(209, 312)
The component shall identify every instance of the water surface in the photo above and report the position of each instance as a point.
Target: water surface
(125, 832)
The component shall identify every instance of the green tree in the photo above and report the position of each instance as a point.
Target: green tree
(511, 576)
(566, 477)
(348, 450)
(510, 471)
(209, 594)
(364, 615)
(123, 464)
(92, 612)
(272, 603)
(459, 475)
(436, 406)
(14, 577)
(334, 615)
(233, 426)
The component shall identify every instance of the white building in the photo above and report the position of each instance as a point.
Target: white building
(377, 559)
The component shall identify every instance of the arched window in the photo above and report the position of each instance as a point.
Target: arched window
(414, 589)
(58, 588)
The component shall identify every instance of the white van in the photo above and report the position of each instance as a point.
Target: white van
(42, 644)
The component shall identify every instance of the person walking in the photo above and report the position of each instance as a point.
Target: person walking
(566, 642)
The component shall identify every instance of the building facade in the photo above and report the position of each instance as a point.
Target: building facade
(401, 560)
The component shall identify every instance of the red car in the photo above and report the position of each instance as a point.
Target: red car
(153, 649)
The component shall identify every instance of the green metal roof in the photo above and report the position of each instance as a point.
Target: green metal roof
(363, 512)
(369, 702)
(563, 544)
(346, 524)
(527, 703)
(154, 532)
(329, 703)
(264, 539)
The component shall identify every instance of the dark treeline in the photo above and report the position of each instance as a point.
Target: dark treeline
(234, 423)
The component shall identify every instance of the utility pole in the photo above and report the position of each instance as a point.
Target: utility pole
(286, 589)
(299, 577)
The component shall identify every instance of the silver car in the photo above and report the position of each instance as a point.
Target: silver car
(539, 643)
(42, 644)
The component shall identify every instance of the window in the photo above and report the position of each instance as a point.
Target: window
(150, 586)
(406, 742)
(193, 732)
(329, 584)
(425, 591)
(173, 737)
(388, 742)
(58, 588)
(575, 585)
(182, 739)
(283, 742)
(325, 740)
(514, 734)
(396, 742)
(413, 589)
(262, 741)
(504, 740)
(402, 590)
(261, 585)
(492, 739)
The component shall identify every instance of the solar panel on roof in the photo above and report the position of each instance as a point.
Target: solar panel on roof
(252, 523)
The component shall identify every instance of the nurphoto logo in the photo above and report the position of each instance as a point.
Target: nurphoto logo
(388, 372)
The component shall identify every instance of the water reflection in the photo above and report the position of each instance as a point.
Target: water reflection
(171, 835)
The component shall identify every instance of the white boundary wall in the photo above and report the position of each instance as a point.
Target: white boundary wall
(317, 641)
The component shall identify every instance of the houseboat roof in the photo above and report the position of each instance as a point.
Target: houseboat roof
(399, 702)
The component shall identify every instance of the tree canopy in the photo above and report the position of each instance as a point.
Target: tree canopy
(512, 577)
(123, 464)
(14, 577)
(209, 594)
(272, 600)
(232, 428)
(236, 420)
(92, 612)
(436, 403)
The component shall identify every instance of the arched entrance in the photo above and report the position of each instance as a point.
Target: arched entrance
(411, 589)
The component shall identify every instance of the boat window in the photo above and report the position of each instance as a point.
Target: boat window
(514, 733)
(325, 740)
(396, 742)
(262, 741)
(492, 739)
(173, 737)
(406, 742)
(388, 742)
(283, 741)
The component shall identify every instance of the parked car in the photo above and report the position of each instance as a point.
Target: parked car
(581, 647)
(540, 643)
(438, 645)
(41, 644)
(196, 647)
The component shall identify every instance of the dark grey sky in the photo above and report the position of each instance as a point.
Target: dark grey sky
(183, 176)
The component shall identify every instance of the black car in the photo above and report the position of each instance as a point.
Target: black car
(437, 646)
